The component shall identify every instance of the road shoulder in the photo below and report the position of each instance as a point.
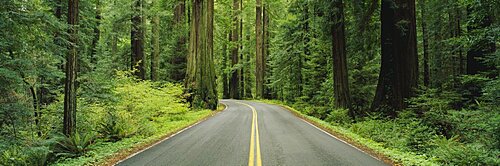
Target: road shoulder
(370, 147)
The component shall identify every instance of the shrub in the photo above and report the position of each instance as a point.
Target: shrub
(452, 152)
(34, 156)
(73, 146)
(339, 116)
(117, 126)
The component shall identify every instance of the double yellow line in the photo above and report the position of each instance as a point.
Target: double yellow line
(254, 155)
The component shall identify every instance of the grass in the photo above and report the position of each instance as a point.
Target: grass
(388, 155)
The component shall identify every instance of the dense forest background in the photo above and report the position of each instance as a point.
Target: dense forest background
(79, 77)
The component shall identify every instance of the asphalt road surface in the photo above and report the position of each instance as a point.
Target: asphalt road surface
(252, 133)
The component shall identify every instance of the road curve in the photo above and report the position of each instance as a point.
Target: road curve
(252, 133)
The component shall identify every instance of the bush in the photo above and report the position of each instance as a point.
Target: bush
(339, 116)
(117, 126)
(34, 156)
(73, 146)
(452, 152)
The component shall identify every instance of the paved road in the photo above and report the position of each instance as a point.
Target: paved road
(252, 133)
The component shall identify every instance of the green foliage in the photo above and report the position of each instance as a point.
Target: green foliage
(452, 152)
(339, 117)
(73, 146)
(15, 156)
(116, 127)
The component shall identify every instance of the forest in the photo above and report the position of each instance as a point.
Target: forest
(83, 81)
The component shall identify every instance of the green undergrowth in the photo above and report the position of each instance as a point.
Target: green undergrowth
(122, 115)
(144, 112)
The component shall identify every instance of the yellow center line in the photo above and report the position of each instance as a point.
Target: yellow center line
(259, 161)
(251, 155)
(254, 138)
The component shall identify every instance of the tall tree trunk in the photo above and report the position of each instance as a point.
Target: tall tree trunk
(200, 81)
(155, 53)
(461, 66)
(248, 87)
(340, 74)
(225, 81)
(399, 69)
(235, 74)
(243, 64)
(57, 35)
(425, 37)
(97, 34)
(259, 57)
(137, 41)
(69, 124)
(265, 49)
(178, 60)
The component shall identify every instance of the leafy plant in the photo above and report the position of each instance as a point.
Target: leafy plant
(115, 127)
(74, 146)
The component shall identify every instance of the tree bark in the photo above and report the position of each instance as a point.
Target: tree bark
(399, 68)
(97, 34)
(243, 63)
(137, 41)
(259, 57)
(155, 53)
(265, 49)
(248, 88)
(225, 81)
(200, 80)
(235, 74)
(425, 37)
(340, 73)
(69, 121)
(178, 60)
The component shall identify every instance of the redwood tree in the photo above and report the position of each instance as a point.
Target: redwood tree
(69, 123)
(235, 34)
(399, 67)
(259, 57)
(137, 41)
(200, 77)
(178, 59)
(340, 77)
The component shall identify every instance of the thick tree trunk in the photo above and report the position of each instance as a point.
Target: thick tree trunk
(248, 87)
(178, 60)
(200, 80)
(399, 69)
(225, 81)
(137, 41)
(259, 57)
(235, 74)
(155, 53)
(340, 73)
(265, 49)
(425, 37)
(69, 124)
